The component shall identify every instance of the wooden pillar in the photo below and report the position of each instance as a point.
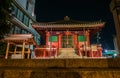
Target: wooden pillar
(28, 54)
(15, 49)
(23, 49)
(8, 45)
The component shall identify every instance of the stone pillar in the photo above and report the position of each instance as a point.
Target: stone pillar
(115, 9)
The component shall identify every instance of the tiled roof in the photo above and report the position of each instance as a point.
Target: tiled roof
(69, 24)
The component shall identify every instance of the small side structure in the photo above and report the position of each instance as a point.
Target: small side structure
(19, 40)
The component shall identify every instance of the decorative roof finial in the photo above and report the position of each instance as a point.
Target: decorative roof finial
(66, 18)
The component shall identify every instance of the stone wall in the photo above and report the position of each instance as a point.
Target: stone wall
(60, 68)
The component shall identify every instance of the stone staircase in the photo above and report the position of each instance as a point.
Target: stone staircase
(67, 53)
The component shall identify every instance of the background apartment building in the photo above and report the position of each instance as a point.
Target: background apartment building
(23, 16)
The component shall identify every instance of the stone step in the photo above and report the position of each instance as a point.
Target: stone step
(67, 53)
(66, 50)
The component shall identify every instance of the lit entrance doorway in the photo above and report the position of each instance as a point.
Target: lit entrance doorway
(67, 41)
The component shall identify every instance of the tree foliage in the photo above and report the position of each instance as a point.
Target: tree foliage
(5, 10)
(5, 25)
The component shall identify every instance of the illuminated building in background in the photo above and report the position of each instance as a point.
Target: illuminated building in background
(23, 16)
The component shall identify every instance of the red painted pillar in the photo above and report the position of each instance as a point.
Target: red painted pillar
(100, 51)
(75, 41)
(59, 41)
(88, 43)
(47, 43)
(47, 36)
(88, 38)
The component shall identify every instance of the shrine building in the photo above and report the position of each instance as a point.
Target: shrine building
(68, 35)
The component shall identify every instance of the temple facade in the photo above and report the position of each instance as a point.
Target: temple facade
(70, 37)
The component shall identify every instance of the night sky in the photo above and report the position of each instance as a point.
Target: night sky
(82, 10)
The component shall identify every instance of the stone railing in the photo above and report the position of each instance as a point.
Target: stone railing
(60, 68)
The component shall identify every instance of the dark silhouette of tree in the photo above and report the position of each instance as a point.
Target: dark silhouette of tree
(5, 16)
(5, 25)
